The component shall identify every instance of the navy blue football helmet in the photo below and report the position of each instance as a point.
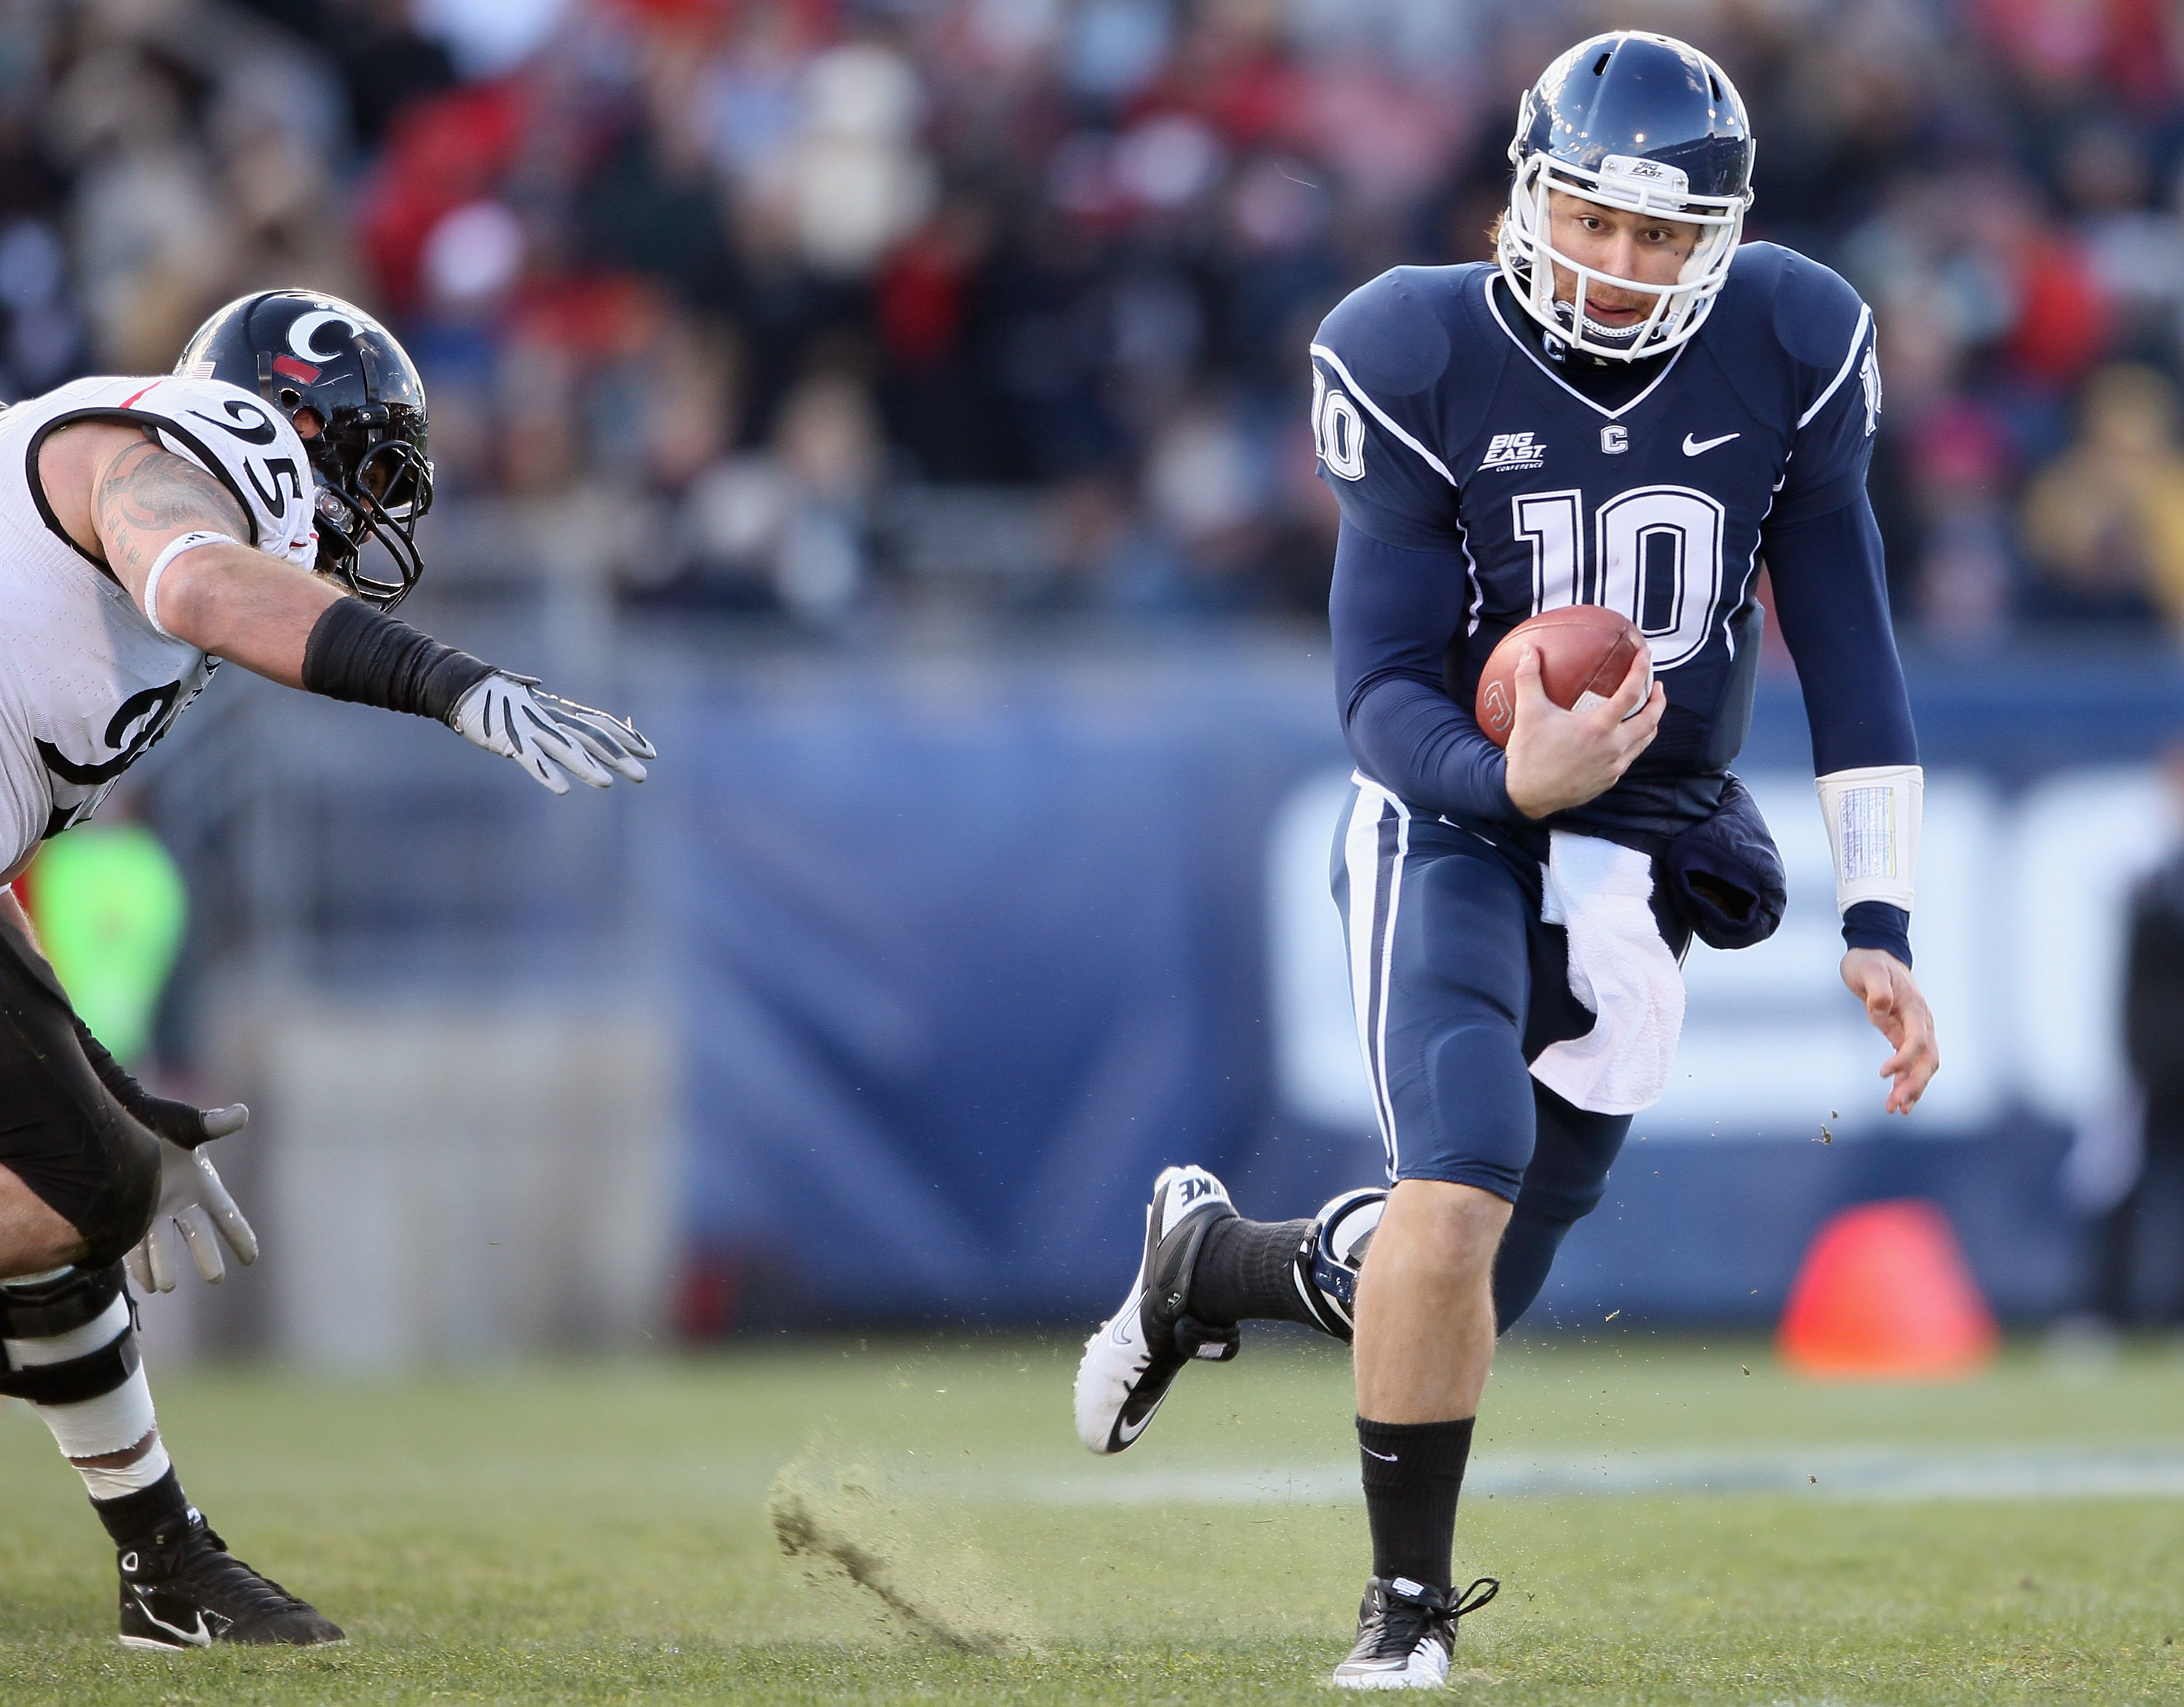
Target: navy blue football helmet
(1643, 124)
(302, 351)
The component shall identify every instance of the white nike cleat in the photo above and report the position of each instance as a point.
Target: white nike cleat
(1407, 1634)
(1130, 1362)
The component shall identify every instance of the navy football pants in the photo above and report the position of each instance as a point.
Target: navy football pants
(1458, 985)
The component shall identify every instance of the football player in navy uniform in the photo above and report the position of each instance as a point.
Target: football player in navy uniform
(1631, 408)
(149, 528)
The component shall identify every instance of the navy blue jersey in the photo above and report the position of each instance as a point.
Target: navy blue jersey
(1445, 430)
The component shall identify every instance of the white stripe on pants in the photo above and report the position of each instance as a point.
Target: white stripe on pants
(1376, 890)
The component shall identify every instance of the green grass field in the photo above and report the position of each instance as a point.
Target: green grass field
(591, 1533)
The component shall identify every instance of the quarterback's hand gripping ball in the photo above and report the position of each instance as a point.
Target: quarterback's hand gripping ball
(1585, 650)
(552, 738)
(195, 1205)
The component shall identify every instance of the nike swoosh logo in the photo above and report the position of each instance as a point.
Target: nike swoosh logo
(1127, 1433)
(198, 1638)
(1701, 447)
(1385, 1457)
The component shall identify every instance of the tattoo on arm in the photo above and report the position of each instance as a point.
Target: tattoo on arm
(151, 494)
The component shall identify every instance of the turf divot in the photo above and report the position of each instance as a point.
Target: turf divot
(597, 1535)
(857, 1523)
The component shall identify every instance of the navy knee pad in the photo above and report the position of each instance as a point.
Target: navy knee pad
(1481, 1132)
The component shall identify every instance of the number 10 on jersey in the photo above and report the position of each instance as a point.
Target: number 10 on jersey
(1657, 558)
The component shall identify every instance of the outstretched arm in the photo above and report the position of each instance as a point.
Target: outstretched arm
(176, 540)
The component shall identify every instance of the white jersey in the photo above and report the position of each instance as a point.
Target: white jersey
(86, 683)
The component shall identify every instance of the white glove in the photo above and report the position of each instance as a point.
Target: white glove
(193, 1203)
(551, 738)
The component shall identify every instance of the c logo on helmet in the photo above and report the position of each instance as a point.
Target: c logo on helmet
(304, 332)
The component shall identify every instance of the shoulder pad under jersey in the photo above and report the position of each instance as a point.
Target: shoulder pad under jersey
(247, 446)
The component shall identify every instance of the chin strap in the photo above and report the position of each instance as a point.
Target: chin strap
(1873, 816)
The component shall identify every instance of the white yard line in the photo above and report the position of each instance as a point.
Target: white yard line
(1876, 1473)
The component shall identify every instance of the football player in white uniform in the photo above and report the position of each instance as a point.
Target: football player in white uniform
(149, 529)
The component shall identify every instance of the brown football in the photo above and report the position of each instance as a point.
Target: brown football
(1585, 649)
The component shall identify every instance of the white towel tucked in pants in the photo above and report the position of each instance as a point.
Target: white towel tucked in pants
(1619, 969)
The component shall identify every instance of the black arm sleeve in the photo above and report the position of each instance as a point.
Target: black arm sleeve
(1392, 612)
(1831, 596)
(183, 1123)
(361, 654)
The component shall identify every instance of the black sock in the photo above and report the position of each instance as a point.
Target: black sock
(1413, 1472)
(1246, 1271)
(134, 1515)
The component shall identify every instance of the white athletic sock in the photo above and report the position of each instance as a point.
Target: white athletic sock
(94, 1427)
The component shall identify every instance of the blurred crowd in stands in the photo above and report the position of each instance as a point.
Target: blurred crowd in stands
(826, 308)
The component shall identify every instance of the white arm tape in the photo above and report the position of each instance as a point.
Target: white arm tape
(175, 547)
(1873, 831)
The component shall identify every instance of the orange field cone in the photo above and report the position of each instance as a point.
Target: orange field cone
(1885, 1293)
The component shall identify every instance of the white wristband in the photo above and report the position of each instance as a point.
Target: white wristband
(175, 547)
(1872, 831)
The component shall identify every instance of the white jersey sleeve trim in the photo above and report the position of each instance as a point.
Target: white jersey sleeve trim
(1850, 361)
(1380, 414)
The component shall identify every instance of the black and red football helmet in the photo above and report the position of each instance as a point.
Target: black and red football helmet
(355, 396)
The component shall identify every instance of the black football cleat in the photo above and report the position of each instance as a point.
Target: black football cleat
(180, 1588)
(1131, 1361)
(1407, 1634)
